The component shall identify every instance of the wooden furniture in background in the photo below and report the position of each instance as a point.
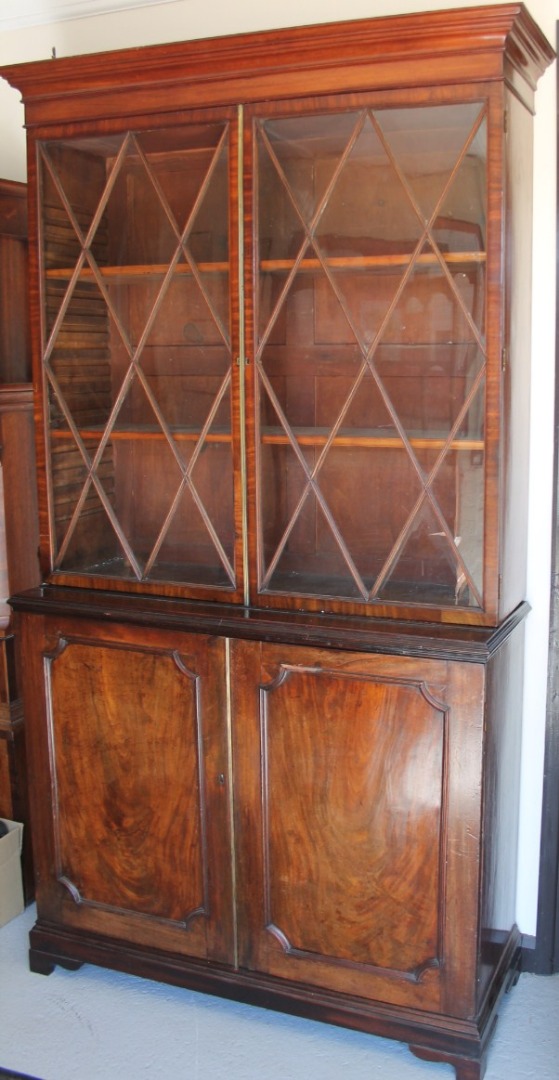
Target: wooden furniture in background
(273, 675)
(19, 532)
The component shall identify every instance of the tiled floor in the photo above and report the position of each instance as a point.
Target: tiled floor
(97, 1025)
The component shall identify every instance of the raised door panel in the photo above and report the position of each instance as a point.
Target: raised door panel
(359, 829)
(138, 844)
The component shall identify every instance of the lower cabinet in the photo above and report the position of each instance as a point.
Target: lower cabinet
(326, 831)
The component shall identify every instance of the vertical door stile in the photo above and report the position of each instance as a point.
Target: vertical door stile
(231, 802)
(42, 426)
(242, 361)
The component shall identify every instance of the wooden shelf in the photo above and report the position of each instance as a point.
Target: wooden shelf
(361, 439)
(132, 272)
(376, 262)
(137, 434)
(364, 439)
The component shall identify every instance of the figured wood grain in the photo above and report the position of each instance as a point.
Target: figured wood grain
(352, 782)
(135, 738)
(115, 754)
(353, 777)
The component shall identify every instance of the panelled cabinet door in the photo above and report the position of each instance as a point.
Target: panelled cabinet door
(359, 829)
(138, 844)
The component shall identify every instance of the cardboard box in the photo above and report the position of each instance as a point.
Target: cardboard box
(11, 885)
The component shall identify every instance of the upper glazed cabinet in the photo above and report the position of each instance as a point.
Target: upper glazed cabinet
(283, 347)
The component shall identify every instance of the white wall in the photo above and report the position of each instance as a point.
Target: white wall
(184, 19)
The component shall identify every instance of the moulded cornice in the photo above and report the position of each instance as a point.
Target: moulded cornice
(468, 44)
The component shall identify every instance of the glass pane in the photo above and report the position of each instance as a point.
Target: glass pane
(137, 353)
(392, 482)
(301, 540)
(370, 354)
(89, 538)
(425, 569)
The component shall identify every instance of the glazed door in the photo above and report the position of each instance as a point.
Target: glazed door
(359, 822)
(371, 242)
(139, 263)
(138, 843)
